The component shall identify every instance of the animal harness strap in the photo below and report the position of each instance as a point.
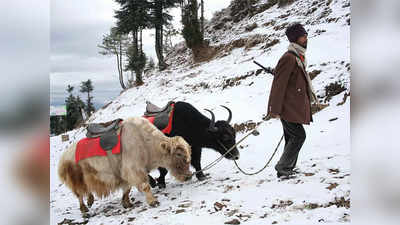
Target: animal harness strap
(168, 129)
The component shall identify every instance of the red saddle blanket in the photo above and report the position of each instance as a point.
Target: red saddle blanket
(89, 147)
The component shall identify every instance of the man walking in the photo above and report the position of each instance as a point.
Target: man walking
(291, 96)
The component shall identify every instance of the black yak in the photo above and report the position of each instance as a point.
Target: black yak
(199, 131)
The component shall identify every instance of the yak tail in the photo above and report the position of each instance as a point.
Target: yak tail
(71, 175)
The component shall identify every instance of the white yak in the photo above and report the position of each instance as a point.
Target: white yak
(143, 148)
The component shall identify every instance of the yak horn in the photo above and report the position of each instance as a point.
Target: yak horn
(212, 124)
(230, 114)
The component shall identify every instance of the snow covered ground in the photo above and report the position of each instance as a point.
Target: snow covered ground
(321, 193)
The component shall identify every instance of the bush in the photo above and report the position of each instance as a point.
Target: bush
(314, 73)
(282, 3)
(191, 27)
(333, 89)
(251, 27)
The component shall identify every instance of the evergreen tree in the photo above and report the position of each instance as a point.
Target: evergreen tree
(202, 19)
(53, 125)
(70, 89)
(191, 26)
(132, 18)
(160, 17)
(136, 15)
(86, 86)
(73, 111)
(57, 125)
(150, 65)
(136, 62)
(80, 106)
(71, 108)
(170, 32)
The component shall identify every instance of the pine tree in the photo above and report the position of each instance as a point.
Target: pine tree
(71, 108)
(136, 15)
(136, 62)
(86, 86)
(73, 115)
(170, 32)
(191, 26)
(202, 19)
(160, 18)
(150, 65)
(70, 89)
(132, 18)
(54, 125)
(80, 106)
(57, 125)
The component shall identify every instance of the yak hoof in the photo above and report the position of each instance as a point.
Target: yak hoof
(90, 201)
(202, 177)
(161, 185)
(152, 182)
(154, 203)
(84, 209)
(127, 205)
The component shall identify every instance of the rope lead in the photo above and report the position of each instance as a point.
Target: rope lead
(253, 132)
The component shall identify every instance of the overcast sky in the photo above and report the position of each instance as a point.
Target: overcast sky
(77, 27)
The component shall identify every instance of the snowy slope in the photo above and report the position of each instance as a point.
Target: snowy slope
(317, 195)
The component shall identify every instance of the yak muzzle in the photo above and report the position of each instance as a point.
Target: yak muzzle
(233, 155)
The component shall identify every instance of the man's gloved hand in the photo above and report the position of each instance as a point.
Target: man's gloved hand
(269, 70)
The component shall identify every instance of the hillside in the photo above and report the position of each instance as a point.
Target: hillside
(229, 77)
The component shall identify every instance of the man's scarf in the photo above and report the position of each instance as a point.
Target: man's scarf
(300, 52)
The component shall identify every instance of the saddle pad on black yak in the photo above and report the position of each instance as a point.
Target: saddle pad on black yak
(163, 120)
(89, 147)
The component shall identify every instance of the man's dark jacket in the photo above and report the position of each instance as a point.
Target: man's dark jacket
(289, 96)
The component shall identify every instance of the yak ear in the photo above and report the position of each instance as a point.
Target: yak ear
(166, 147)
